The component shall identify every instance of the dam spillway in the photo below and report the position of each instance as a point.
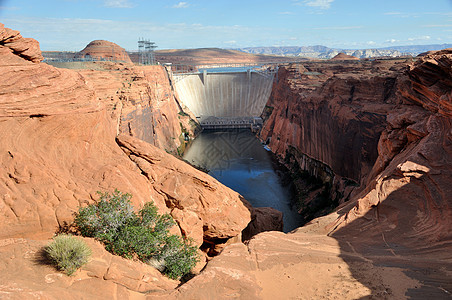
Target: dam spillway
(225, 99)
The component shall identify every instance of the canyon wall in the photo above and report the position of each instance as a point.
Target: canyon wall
(324, 120)
(332, 112)
(67, 134)
(392, 239)
(143, 103)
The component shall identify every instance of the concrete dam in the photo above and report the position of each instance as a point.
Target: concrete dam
(232, 99)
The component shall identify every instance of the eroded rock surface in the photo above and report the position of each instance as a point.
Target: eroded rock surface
(143, 103)
(391, 240)
(26, 274)
(202, 206)
(275, 265)
(58, 129)
(12, 41)
(401, 214)
(332, 112)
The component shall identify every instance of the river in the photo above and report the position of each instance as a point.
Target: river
(237, 159)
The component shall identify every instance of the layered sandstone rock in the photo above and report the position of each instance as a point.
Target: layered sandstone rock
(325, 119)
(333, 113)
(26, 274)
(143, 103)
(429, 81)
(100, 49)
(414, 166)
(392, 241)
(59, 148)
(402, 214)
(12, 41)
(289, 266)
(204, 208)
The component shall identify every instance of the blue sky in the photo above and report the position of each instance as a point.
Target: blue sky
(71, 24)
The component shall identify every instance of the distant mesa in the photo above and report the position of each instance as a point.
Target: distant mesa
(343, 56)
(215, 56)
(101, 49)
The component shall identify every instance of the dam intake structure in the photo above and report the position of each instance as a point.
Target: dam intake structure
(225, 95)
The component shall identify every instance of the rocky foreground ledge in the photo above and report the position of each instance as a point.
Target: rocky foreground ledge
(65, 136)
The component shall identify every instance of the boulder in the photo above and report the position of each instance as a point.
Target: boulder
(203, 207)
(263, 219)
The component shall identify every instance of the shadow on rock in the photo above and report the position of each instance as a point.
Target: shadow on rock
(407, 236)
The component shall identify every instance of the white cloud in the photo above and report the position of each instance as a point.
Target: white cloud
(118, 3)
(231, 42)
(286, 13)
(420, 38)
(322, 4)
(74, 34)
(181, 5)
(392, 41)
(402, 14)
(370, 43)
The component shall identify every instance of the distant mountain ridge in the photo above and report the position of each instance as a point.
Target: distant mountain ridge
(324, 52)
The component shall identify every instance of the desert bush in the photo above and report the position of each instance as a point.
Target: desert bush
(103, 219)
(177, 257)
(68, 253)
(144, 235)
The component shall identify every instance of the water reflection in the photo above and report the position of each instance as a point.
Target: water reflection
(238, 160)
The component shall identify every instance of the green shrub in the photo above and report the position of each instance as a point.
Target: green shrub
(177, 257)
(102, 220)
(68, 253)
(144, 235)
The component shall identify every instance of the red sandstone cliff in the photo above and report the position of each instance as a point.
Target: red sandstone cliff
(390, 241)
(60, 145)
(12, 41)
(326, 118)
(332, 112)
(413, 170)
(143, 102)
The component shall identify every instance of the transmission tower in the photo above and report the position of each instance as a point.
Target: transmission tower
(146, 51)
